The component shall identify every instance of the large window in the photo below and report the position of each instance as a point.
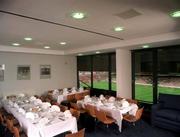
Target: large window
(155, 71)
(97, 71)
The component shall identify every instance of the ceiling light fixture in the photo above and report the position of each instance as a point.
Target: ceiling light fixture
(118, 29)
(78, 15)
(145, 46)
(80, 54)
(175, 14)
(47, 47)
(63, 43)
(28, 38)
(97, 52)
(15, 44)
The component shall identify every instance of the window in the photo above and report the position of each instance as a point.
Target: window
(101, 72)
(97, 71)
(169, 71)
(155, 71)
(84, 71)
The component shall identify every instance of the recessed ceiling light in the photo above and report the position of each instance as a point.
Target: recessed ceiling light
(28, 38)
(80, 54)
(15, 44)
(78, 15)
(175, 14)
(145, 46)
(63, 43)
(97, 52)
(117, 29)
(47, 47)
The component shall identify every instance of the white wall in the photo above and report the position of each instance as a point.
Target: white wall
(123, 71)
(63, 73)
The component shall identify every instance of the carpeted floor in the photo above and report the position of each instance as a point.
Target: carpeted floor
(141, 129)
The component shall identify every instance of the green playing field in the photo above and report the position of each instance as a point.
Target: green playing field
(142, 92)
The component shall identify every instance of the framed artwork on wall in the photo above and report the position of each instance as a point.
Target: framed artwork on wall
(45, 71)
(23, 72)
(2, 68)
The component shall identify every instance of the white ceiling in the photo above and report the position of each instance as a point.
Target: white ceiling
(154, 21)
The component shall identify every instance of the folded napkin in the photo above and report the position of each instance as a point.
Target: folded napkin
(32, 98)
(16, 105)
(43, 121)
(111, 99)
(99, 103)
(21, 95)
(54, 108)
(65, 89)
(124, 103)
(56, 91)
(133, 110)
(67, 114)
(73, 91)
(65, 92)
(45, 105)
(30, 115)
(101, 97)
(10, 103)
(37, 101)
(73, 88)
(22, 111)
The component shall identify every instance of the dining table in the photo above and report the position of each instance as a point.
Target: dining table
(44, 123)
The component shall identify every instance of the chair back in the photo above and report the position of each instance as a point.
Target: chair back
(9, 124)
(75, 113)
(132, 101)
(79, 96)
(70, 97)
(1, 118)
(91, 110)
(16, 132)
(86, 93)
(139, 113)
(63, 108)
(74, 105)
(100, 115)
(77, 134)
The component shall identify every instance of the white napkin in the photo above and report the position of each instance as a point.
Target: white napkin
(99, 103)
(111, 99)
(32, 98)
(54, 108)
(73, 88)
(67, 114)
(56, 91)
(21, 95)
(37, 101)
(133, 110)
(43, 121)
(45, 105)
(30, 115)
(124, 103)
(16, 105)
(10, 103)
(22, 111)
(101, 97)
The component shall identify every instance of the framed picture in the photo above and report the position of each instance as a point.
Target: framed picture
(2, 68)
(45, 71)
(23, 72)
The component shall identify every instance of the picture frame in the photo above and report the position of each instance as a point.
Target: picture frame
(2, 68)
(23, 72)
(45, 71)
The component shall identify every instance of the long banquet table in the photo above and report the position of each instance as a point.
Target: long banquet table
(57, 126)
(112, 110)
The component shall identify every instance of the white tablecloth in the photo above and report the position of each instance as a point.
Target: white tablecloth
(63, 97)
(50, 130)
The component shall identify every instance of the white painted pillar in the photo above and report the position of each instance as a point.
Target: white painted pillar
(123, 73)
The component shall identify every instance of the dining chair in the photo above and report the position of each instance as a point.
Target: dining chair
(70, 97)
(63, 108)
(133, 119)
(91, 110)
(17, 133)
(75, 106)
(79, 96)
(132, 101)
(102, 117)
(75, 113)
(80, 133)
(9, 124)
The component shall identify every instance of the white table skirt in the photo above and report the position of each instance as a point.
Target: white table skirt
(45, 131)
